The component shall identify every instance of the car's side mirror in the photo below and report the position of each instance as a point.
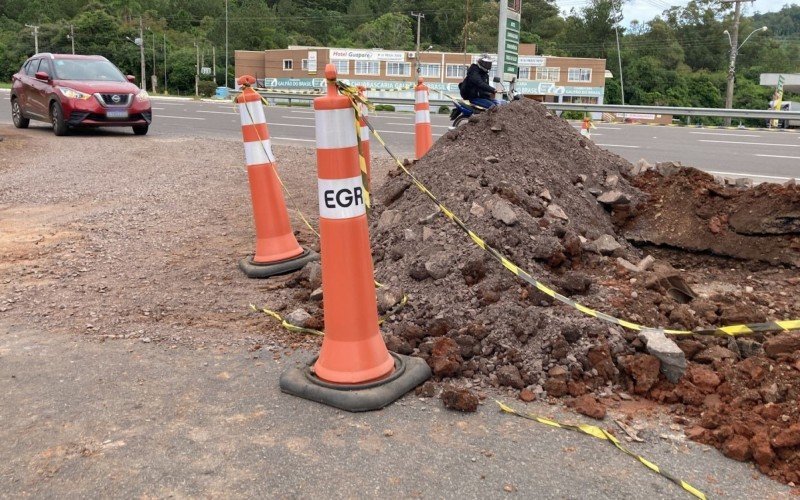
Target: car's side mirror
(43, 76)
(131, 78)
(496, 79)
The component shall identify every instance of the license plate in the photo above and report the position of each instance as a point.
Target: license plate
(117, 114)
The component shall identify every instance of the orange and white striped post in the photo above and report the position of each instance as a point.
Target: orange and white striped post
(364, 131)
(354, 370)
(277, 250)
(423, 137)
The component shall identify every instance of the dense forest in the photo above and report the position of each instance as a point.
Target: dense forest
(678, 58)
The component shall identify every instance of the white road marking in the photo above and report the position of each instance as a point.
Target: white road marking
(288, 125)
(752, 143)
(411, 124)
(748, 174)
(725, 134)
(779, 156)
(291, 139)
(179, 117)
(616, 146)
(219, 112)
(156, 108)
(297, 117)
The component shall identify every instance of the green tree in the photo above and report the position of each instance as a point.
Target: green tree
(390, 31)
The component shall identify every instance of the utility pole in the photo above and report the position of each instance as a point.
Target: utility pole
(226, 43)
(420, 16)
(35, 36)
(72, 37)
(619, 58)
(214, 62)
(197, 70)
(734, 40)
(165, 62)
(141, 53)
(154, 78)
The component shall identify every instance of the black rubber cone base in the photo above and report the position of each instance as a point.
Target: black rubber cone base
(408, 373)
(256, 270)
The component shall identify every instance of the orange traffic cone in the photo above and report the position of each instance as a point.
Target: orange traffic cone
(364, 111)
(586, 127)
(354, 370)
(423, 138)
(277, 250)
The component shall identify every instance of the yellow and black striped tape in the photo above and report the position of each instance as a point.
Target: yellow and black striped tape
(732, 330)
(299, 329)
(599, 433)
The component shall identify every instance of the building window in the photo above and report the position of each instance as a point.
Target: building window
(304, 64)
(579, 75)
(551, 74)
(524, 73)
(430, 70)
(368, 68)
(342, 66)
(398, 69)
(456, 71)
(287, 64)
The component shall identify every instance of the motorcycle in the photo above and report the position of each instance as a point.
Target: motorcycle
(464, 109)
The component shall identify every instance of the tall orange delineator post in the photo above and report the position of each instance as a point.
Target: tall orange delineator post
(354, 371)
(277, 250)
(423, 137)
(586, 127)
(364, 136)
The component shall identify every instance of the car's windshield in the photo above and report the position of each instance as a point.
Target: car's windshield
(83, 69)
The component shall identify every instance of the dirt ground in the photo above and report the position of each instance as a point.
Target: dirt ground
(94, 247)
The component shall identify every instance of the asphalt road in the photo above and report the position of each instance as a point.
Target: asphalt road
(759, 154)
(125, 419)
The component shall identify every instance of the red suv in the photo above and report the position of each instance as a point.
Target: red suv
(77, 91)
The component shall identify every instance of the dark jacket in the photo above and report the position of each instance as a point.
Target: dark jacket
(476, 84)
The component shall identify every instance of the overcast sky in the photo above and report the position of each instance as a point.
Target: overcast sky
(645, 10)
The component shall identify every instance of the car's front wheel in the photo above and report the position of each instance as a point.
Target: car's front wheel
(140, 129)
(16, 114)
(57, 117)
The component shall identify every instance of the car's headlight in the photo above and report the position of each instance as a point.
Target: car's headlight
(74, 94)
(143, 96)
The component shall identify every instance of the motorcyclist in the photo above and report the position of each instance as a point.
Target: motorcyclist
(475, 88)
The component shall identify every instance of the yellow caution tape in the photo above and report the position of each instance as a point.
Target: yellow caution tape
(733, 330)
(286, 324)
(600, 433)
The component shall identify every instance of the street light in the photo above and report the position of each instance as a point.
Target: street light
(735, 46)
(139, 42)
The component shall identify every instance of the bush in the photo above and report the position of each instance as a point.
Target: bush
(384, 107)
(206, 88)
(572, 115)
(444, 110)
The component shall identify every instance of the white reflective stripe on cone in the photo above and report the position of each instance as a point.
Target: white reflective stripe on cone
(421, 96)
(255, 110)
(335, 128)
(341, 198)
(258, 152)
(364, 133)
(422, 116)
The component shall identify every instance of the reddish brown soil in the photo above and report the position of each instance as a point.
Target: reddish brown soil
(690, 210)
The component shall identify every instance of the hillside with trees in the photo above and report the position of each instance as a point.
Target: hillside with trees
(679, 58)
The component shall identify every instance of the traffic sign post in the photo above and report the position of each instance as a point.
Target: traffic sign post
(508, 38)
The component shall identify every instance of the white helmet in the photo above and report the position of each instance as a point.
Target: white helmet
(485, 62)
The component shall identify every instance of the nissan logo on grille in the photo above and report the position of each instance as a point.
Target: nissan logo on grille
(115, 98)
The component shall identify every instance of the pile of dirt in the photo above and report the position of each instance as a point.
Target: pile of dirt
(689, 209)
(534, 200)
(553, 202)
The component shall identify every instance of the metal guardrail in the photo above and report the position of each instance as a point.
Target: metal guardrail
(765, 114)
(600, 108)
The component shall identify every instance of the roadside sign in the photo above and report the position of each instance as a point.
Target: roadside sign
(508, 38)
(777, 99)
(205, 70)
